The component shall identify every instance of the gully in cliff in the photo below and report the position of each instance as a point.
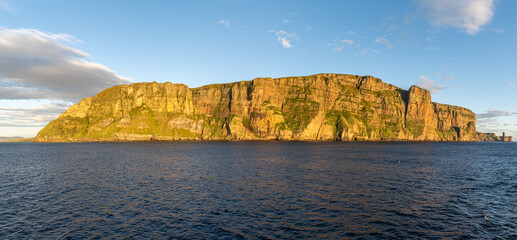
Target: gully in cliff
(321, 107)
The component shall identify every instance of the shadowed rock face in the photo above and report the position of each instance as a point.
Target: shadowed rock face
(318, 107)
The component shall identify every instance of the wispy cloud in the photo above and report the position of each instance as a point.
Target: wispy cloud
(511, 84)
(38, 65)
(486, 123)
(468, 15)
(224, 23)
(284, 38)
(340, 45)
(31, 117)
(492, 113)
(350, 32)
(383, 41)
(496, 30)
(338, 48)
(286, 21)
(6, 6)
(493, 121)
(429, 84)
(444, 78)
(444, 67)
(366, 51)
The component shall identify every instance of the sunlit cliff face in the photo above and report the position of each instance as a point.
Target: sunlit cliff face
(318, 107)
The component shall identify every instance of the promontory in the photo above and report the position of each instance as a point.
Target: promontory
(322, 107)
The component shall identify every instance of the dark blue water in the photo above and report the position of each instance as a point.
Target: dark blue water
(258, 190)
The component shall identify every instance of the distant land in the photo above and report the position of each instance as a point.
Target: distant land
(5, 139)
(321, 107)
(9, 138)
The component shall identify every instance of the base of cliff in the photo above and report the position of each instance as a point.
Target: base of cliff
(483, 137)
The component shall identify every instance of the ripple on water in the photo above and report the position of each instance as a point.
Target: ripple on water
(258, 190)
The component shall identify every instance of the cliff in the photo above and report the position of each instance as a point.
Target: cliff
(319, 107)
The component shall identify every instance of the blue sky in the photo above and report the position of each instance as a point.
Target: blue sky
(54, 53)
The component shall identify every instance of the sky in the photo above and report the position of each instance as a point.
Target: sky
(54, 53)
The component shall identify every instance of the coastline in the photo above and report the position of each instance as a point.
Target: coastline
(249, 140)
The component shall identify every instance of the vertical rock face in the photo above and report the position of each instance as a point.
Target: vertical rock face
(319, 107)
(420, 115)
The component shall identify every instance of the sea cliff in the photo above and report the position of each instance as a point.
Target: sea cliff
(322, 107)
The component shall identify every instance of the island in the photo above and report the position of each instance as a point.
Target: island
(321, 107)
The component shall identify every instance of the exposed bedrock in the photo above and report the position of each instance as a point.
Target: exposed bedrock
(318, 107)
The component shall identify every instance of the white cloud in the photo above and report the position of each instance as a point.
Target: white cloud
(467, 15)
(429, 84)
(511, 84)
(285, 21)
(490, 121)
(225, 23)
(486, 122)
(492, 113)
(339, 45)
(383, 41)
(347, 41)
(350, 32)
(32, 117)
(37, 65)
(285, 43)
(284, 38)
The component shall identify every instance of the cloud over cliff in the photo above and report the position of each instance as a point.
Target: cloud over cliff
(429, 84)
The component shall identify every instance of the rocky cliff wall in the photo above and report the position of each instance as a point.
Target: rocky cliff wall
(319, 107)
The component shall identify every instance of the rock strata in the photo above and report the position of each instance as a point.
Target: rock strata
(322, 107)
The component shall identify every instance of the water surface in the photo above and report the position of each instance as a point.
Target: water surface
(258, 190)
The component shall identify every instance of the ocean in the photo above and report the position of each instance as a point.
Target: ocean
(258, 190)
